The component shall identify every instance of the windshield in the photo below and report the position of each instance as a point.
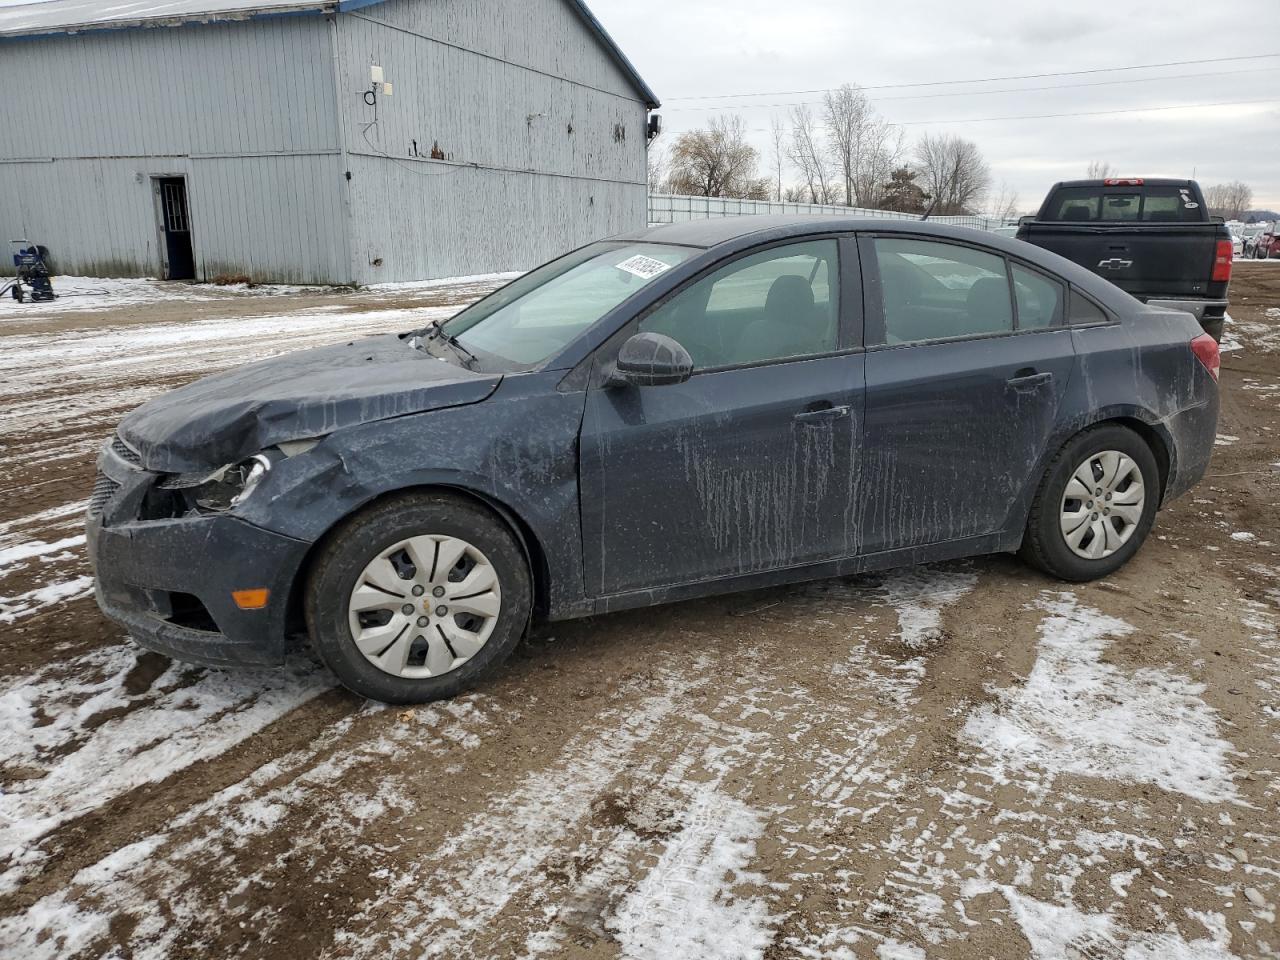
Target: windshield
(538, 315)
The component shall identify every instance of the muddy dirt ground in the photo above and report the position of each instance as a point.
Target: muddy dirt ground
(959, 761)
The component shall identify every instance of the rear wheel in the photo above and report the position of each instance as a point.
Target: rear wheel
(1095, 506)
(415, 598)
(1214, 327)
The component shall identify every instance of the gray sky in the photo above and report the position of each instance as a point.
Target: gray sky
(694, 47)
(686, 48)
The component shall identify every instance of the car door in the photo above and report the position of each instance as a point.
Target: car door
(748, 466)
(967, 360)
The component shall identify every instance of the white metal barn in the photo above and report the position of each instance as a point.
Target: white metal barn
(348, 141)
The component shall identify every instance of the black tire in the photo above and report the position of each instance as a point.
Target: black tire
(1044, 545)
(1214, 327)
(16, 290)
(342, 559)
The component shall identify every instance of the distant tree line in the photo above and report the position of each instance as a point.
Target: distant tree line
(842, 153)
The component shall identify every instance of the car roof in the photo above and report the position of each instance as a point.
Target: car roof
(726, 235)
(714, 231)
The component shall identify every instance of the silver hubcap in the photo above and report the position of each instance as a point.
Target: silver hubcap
(1102, 504)
(424, 606)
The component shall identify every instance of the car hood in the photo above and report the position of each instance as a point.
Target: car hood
(233, 415)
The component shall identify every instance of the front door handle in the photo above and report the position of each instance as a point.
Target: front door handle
(1027, 380)
(823, 414)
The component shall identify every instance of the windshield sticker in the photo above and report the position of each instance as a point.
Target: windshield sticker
(646, 268)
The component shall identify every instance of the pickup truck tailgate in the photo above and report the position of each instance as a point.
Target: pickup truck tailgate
(1145, 260)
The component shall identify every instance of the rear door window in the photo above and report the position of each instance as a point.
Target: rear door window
(1039, 299)
(939, 291)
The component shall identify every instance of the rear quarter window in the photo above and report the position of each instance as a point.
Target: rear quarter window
(1084, 311)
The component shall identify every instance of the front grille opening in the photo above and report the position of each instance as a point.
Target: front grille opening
(161, 504)
(186, 610)
(125, 452)
(104, 488)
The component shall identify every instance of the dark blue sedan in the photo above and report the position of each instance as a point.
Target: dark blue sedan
(699, 408)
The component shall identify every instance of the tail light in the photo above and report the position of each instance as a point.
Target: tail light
(1222, 262)
(1122, 182)
(1206, 350)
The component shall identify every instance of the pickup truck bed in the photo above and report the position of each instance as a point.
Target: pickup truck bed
(1153, 239)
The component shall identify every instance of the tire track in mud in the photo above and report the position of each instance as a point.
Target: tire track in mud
(655, 855)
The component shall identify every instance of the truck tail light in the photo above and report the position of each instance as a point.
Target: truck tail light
(1122, 182)
(1222, 262)
(1206, 350)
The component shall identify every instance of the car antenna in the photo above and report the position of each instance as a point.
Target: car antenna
(933, 204)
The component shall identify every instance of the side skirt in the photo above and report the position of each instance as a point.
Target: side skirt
(926, 553)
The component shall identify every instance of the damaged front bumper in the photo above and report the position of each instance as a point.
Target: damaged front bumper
(169, 580)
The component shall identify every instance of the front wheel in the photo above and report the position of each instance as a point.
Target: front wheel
(1095, 505)
(415, 598)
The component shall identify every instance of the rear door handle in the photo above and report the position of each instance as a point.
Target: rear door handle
(1024, 381)
(823, 414)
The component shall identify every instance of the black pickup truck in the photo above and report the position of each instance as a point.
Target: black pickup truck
(1154, 239)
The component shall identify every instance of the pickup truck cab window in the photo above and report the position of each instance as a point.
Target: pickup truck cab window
(940, 291)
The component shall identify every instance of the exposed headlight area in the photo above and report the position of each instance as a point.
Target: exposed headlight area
(160, 496)
(224, 488)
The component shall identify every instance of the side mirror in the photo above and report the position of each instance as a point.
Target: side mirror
(650, 360)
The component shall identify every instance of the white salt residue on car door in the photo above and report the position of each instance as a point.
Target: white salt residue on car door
(1078, 715)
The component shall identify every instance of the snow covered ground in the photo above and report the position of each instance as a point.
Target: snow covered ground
(955, 761)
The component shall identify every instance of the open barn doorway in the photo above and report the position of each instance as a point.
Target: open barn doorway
(177, 258)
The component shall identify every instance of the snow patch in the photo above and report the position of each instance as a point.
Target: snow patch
(919, 595)
(82, 738)
(684, 906)
(1055, 932)
(25, 604)
(1078, 715)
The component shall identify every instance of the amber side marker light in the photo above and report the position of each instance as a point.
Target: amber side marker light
(251, 599)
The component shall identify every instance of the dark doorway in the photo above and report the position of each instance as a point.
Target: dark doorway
(175, 228)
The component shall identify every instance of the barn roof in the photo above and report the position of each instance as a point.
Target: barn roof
(53, 17)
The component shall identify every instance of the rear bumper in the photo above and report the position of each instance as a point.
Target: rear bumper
(147, 573)
(1202, 310)
(1192, 433)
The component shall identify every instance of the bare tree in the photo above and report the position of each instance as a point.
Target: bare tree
(864, 146)
(808, 152)
(777, 152)
(1004, 206)
(954, 172)
(656, 160)
(716, 162)
(1230, 200)
(1099, 170)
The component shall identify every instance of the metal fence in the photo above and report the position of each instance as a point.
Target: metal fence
(674, 208)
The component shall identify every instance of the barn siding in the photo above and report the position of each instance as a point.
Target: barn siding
(537, 164)
(545, 135)
(270, 218)
(427, 226)
(245, 111)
